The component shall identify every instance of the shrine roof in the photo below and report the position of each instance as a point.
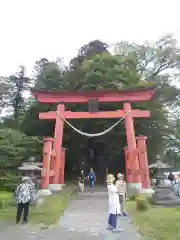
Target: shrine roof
(141, 94)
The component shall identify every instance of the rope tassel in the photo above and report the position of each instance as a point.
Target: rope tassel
(94, 134)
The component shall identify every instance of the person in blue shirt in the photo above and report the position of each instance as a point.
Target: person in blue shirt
(92, 178)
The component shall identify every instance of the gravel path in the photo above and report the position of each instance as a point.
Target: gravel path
(85, 218)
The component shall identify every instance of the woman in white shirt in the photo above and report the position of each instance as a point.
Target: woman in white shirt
(114, 205)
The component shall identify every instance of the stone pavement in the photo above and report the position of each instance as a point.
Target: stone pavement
(165, 196)
(85, 218)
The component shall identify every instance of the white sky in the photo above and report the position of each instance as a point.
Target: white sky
(32, 29)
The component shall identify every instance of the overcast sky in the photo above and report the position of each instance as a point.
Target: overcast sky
(32, 29)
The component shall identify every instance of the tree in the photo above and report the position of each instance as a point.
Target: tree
(106, 71)
(88, 51)
(19, 84)
(172, 144)
(16, 147)
(49, 75)
(93, 48)
(5, 89)
(157, 62)
(131, 66)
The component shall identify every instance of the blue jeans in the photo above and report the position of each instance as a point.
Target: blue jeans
(112, 220)
(91, 184)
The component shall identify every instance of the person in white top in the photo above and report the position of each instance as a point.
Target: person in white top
(114, 205)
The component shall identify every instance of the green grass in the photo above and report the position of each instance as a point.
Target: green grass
(49, 212)
(156, 223)
(5, 196)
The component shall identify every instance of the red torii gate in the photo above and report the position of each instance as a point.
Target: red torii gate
(137, 171)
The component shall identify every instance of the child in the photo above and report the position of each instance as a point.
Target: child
(81, 179)
(113, 204)
(121, 188)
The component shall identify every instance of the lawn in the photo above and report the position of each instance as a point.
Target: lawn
(48, 213)
(156, 223)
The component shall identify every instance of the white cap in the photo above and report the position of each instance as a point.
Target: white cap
(25, 179)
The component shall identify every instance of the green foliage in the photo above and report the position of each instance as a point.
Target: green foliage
(130, 66)
(151, 200)
(48, 213)
(16, 147)
(156, 223)
(10, 181)
(20, 83)
(50, 75)
(5, 199)
(132, 198)
(107, 71)
(142, 203)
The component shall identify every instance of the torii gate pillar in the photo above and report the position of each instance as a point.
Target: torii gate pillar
(143, 161)
(131, 152)
(46, 172)
(128, 166)
(62, 166)
(57, 165)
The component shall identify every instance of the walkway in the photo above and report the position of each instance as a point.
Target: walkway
(86, 218)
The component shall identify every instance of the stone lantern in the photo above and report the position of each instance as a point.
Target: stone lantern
(32, 170)
(160, 168)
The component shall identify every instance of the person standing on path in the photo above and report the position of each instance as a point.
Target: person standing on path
(81, 179)
(92, 179)
(121, 188)
(23, 195)
(114, 206)
(171, 178)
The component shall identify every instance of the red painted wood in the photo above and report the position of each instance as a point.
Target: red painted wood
(143, 161)
(86, 115)
(131, 142)
(46, 173)
(56, 174)
(51, 173)
(58, 137)
(102, 96)
(61, 179)
(128, 166)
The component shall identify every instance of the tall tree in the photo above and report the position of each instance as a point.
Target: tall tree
(5, 90)
(20, 84)
(131, 66)
(88, 50)
(157, 62)
(49, 75)
(93, 48)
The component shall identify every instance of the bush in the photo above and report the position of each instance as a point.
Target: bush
(151, 200)
(142, 203)
(132, 198)
(9, 182)
(5, 199)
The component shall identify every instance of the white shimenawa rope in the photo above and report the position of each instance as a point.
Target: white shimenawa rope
(94, 134)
